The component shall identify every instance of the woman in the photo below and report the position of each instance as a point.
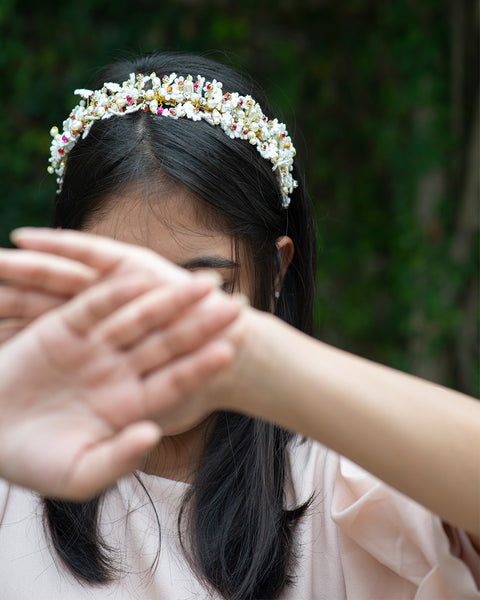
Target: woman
(260, 514)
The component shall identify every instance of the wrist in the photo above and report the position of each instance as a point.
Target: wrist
(228, 389)
(247, 385)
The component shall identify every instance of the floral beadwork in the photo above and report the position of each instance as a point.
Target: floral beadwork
(176, 97)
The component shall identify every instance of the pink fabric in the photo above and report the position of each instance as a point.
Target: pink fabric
(379, 525)
(360, 540)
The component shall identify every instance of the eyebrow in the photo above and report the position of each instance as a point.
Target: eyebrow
(210, 262)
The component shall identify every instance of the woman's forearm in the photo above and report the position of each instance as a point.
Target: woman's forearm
(418, 437)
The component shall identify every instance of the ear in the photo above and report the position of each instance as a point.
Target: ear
(286, 250)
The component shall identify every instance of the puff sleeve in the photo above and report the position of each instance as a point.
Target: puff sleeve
(392, 547)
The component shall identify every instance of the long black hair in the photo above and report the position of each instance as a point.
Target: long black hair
(240, 533)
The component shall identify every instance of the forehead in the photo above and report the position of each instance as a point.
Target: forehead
(172, 225)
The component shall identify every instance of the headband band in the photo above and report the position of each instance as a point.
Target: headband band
(175, 97)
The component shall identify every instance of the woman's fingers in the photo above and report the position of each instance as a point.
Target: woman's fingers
(87, 309)
(99, 466)
(195, 329)
(50, 274)
(154, 309)
(97, 252)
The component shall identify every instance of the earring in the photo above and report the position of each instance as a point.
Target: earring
(277, 294)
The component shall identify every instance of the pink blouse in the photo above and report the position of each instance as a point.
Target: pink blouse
(360, 540)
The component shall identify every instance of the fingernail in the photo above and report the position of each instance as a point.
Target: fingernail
(19, 231)
(16, 233)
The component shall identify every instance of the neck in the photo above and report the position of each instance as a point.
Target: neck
(178, 457)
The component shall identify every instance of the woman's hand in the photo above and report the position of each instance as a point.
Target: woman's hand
(58, 264)
(79, 386)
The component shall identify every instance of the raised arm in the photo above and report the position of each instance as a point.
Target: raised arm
(421, 438)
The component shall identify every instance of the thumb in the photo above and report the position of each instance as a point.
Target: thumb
(101, 465)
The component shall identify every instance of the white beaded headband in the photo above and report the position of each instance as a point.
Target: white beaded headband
(171, 96)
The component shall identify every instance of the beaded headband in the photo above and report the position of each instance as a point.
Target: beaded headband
(175, 97)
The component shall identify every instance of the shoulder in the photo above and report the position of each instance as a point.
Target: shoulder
(384, 540)
(404, 542)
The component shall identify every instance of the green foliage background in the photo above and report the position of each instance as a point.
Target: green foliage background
(380, 98)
